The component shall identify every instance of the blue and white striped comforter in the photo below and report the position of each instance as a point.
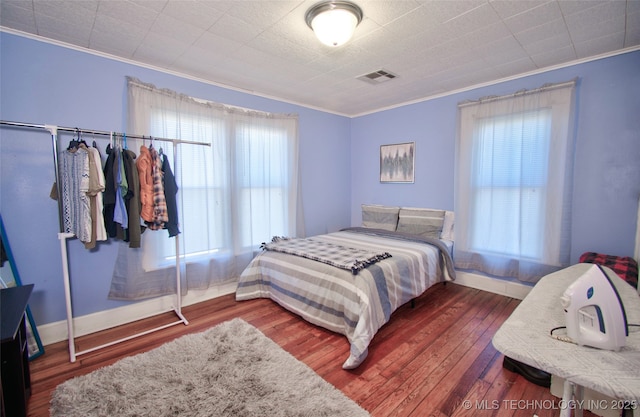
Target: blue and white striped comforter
(353, 305)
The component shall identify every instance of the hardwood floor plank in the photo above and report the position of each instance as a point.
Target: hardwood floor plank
(474, 402)
(462, 358)
(466, 382)
(430, 362)
(427, 361)
(477, 360)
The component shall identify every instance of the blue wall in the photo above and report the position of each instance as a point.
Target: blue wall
(607, 158)
(47, 84)
(43, 83)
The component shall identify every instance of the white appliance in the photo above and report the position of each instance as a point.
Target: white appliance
(595, 315)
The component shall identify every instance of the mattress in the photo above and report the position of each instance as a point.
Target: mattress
(355, 305)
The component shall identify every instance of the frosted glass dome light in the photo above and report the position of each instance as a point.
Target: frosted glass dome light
(334, 22)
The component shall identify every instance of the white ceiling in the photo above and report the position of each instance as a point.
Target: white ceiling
(266, 48)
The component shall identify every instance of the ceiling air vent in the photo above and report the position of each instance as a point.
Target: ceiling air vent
(377, 77)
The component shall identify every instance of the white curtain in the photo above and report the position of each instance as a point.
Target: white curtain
(514, 169)
(234, 194)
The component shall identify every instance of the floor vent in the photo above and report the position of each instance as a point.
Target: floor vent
(377, 77)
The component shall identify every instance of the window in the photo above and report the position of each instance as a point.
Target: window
(510, 167)
(245, 167)
(263, 180)
(238, 191)
(201, 192)
(514, 180)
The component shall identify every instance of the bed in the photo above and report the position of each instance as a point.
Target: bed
(407, 258)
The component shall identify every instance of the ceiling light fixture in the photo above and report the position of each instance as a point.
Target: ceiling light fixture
(334, 21)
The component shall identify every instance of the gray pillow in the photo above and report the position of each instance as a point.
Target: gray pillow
(421, 222)
(380, 217)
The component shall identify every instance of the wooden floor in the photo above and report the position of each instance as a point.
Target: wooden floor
(435, 359)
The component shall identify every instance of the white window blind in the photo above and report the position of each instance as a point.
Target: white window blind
(514, 169)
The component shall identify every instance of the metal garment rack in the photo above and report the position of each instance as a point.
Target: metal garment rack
(63, 236)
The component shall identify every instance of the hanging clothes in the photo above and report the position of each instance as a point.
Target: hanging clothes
(75, 185)
(122, 196)
(98, 212)
(132, 199)
(120, 212)
(144, 166)
(96, 187)
(160, 216)
(170, 191)
(109, 195)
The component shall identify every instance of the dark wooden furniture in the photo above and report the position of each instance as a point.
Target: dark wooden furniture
(16, 378)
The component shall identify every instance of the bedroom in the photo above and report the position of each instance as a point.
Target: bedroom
(44, 82)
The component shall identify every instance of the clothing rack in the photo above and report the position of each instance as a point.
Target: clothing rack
(63, 236)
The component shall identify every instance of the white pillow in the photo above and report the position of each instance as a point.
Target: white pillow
(447, 226)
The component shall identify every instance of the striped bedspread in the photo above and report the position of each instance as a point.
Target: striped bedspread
(353, 305)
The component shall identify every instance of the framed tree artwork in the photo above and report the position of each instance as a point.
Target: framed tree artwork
(397, 162)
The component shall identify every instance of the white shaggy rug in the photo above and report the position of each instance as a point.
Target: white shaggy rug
(229, 370)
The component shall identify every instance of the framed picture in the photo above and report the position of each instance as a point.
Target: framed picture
(397, 162)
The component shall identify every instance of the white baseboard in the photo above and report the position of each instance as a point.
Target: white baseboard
(495, 285)
(102, 320)
(56, 332)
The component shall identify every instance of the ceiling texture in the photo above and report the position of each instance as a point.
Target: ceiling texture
(433, 47)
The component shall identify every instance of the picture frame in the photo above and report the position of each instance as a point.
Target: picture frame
(397, 163)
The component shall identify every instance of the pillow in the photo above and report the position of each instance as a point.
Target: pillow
(447, 226)
(421, 222)
(380, 217)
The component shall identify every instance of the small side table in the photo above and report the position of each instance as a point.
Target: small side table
(16, 377)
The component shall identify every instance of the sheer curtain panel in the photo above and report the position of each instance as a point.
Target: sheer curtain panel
(514, 169)
(232, 195)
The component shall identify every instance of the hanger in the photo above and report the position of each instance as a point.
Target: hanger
(81, 140)
(73, 144)
(118, 140)
(94, 144)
